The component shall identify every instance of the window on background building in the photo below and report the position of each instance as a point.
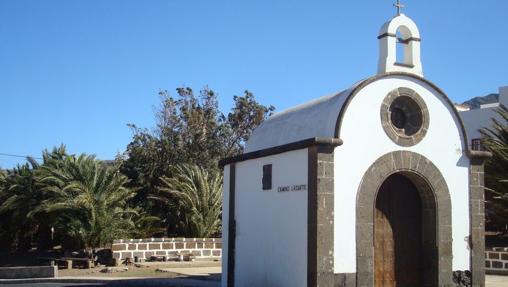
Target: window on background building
(476, 144)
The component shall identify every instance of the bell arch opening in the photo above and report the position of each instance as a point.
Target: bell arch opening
(404, 47)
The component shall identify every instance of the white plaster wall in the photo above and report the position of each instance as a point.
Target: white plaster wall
(365, 141)
(271, 239)
(225, 226)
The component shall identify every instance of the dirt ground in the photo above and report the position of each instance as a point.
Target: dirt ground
(496, 281)
(145, 269)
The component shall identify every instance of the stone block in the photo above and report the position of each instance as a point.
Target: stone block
(132, 246)
(219, 246)
(216, 253)
(209, 245)
(179, 245)
(364, 214)
(118, 247)
(138, 254)
(487, 264)
(476, 168)
(142, 246)
(365, 230)
(327, 169)
(154, 246)
(127, 255)
(28, 272)
(207, 252)
(167, 245)
(345, 280)
(504, 256)
(365, 279)
(161, 253)
(493, 255)
(397, 159)
(190, 245)
(423, 165)
(497, 264)
(325, 185)
(475, 206)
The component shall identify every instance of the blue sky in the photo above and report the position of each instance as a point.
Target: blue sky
(76, 72)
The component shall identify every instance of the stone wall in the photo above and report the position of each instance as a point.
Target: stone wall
(496, 260)
(172, 248)
(28, 272)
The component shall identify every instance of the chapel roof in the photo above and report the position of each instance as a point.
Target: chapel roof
(316, 118)
(320, 118)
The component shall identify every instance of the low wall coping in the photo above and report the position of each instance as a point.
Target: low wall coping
(167, 239)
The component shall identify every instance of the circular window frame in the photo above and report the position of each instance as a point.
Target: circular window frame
(397, 135)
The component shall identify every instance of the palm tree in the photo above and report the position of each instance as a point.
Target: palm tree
(495, 140)
(194, 197)
(20, 196)
(88, 200)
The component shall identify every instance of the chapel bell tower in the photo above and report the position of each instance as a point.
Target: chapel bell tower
(399, 46)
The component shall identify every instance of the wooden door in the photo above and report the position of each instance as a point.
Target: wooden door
(397, 234)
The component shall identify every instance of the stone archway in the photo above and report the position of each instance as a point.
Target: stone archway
(435, 215)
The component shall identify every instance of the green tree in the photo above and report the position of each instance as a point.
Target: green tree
(20, 196)
(246, 115)
(194, 195)
(495, 140)
(189, 129)
(87, 200)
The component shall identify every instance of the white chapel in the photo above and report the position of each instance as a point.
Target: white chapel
(375, 185)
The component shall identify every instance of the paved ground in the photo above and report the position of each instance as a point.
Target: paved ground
(496, 281)
(147, 282)
(197, 271)
(492, 281)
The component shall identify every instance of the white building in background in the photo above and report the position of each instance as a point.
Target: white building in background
(475, 119)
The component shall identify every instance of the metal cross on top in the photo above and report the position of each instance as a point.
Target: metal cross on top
(399, 7)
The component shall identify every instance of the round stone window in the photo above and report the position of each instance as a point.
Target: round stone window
(404, 116)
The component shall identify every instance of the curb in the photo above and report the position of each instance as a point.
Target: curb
(55, 280)
(129, 281)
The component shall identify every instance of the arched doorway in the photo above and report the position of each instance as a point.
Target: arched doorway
(398, 234)
(415, 179)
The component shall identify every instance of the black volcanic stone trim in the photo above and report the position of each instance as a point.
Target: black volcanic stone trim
(436, 216)
(231, 227)
(361, 85)
(477, 218)
(345, 280)
(320, 216)
(395, 36)
(416, 113)
(282, 148)
(404, 65)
